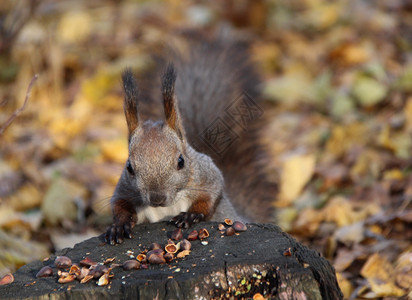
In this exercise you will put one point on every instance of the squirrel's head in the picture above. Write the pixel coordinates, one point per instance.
(158, 165)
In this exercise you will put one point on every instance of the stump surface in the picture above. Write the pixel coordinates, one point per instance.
(242, 265)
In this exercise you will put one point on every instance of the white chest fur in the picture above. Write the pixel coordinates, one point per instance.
(156, 214)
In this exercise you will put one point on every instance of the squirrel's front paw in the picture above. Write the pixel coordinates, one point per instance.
(187, 219)
(116, 233)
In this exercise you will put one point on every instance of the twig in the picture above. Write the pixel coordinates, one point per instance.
(19, 110)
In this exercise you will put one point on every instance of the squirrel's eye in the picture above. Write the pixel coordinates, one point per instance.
(129, 167)
(180, 162)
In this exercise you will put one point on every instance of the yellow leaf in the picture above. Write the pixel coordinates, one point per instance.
(115, 150)
(74, 27)
(345, 285)
(380, 275)
(297, 171)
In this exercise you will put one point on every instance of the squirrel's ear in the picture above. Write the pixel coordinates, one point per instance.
(130, 104)
(169, 100)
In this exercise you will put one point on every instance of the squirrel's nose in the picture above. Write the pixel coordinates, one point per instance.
(156, 199)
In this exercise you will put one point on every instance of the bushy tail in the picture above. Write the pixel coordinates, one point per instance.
(218, 95)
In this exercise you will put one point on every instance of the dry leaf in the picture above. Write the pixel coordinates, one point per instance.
(297, 171)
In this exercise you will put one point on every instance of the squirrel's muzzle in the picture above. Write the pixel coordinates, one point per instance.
(157, 199)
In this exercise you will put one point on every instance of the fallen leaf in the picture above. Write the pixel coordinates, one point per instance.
(297, 171)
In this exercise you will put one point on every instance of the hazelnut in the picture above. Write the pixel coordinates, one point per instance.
(62, 262)
(203, 233)
(193, 235)
(131, 264)
(177, 234)
(239, 226)
(45, 272)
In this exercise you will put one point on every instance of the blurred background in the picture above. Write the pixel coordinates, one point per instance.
(337, 85)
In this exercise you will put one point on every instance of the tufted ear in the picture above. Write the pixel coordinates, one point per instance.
(130, 104)
(172, 114)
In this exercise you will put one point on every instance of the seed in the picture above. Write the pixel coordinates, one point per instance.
(131, 264)
(141, 257)
(203, 233)
(239, 226)
(155, 258)
(109, 260)
(83, 273)
(98, 270)
(66, 279)
(228, 222)
(45, 272)
(86, 279)
(168, 257)
(155, 246)
(177, 234)
(230, 231)
(171, 247)
(62, 262)
(87, 262)
(74, 270)
(6, 279)
(221, 227)
(183, 253)
(185, 245)
(287, 252)
(193, 235)
(103, 280)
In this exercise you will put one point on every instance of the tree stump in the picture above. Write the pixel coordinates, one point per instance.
(262, 260)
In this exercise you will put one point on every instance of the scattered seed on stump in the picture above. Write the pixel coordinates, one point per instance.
(203, 233)
(131, 264)
(177, 234)
(230, 231)
(62, 262)
(185, 245)
(193, 235)
(46, 271)
(6, 279)
(239, 226)
(228, 222)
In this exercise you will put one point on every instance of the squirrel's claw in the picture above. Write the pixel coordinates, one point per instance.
(115, 234)
(187, 219)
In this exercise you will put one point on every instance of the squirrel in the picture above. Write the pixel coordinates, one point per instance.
(203, 159)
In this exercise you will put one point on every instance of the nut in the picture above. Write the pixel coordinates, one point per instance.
(203, 233)
(45, 272)
(183, 253)
(172, 247)
(66, 279)
(98, 270)
(221, 227)
(177, 234)
(6, 279)
(185, 245)
(239, 226)
(103, 280)
(74, 270)
(83, 273)
(193, 235)
(228, 222)
(131, 264)
(62, 262)
(230, 231)
(168, 257)
(87, 262)
(86, 279)
(141, 257)
(155, 257)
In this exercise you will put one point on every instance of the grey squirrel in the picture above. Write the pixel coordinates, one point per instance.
(185, 167)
